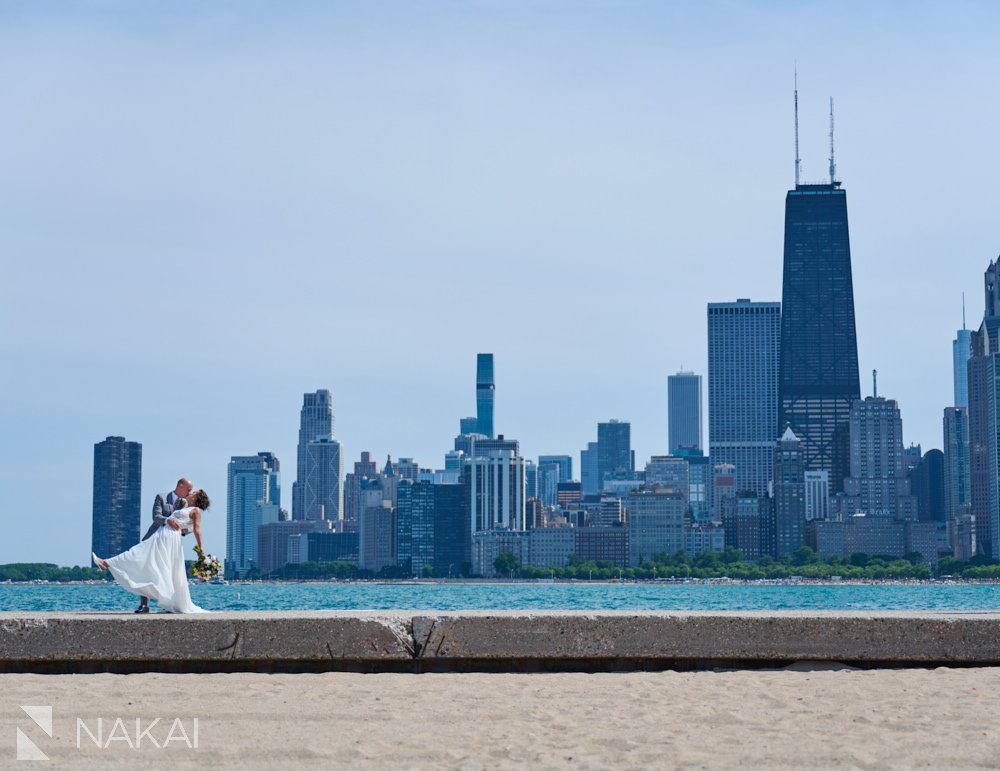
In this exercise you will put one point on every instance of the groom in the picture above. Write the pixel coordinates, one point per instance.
(163, 507)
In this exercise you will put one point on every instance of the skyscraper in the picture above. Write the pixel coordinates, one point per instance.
(819, 352)
(877, 460)
(743, 346)
(485, 393)
(322, 491)
(957, 492)
(614, 449)
(364, 468)
(496, 491)
(565, 463)
(961, 350)
(684, 411)
(252, 482)
(589, 478)
(789, 495)
(117, 497)
(984, 419)
(315, 420)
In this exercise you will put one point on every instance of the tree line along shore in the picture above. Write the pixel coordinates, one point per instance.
(804, 563)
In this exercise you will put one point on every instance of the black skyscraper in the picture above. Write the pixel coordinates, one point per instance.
(117, 496)
(819, 349)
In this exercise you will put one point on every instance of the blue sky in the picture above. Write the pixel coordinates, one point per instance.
(209, 208)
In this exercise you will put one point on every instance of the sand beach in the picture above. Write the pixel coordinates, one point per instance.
(822, 717)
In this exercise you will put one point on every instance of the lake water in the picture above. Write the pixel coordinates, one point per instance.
(523, 596)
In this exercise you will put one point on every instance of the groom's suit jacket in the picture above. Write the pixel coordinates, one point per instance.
(163, 507)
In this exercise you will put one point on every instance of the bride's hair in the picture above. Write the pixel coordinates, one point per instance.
(200, 499)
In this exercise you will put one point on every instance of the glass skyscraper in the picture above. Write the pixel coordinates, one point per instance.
(485, 393)
(819, 350)
(743, 347)
(315, 420)
(961, 350)
(117, 496)
(684, 411)
(252, 482)
(614, 449)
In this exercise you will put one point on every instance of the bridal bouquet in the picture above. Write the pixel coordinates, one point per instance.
(206, 567)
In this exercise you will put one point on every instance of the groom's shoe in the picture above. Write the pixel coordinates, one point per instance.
(143, 607)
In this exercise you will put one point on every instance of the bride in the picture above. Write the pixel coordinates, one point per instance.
(155, 567)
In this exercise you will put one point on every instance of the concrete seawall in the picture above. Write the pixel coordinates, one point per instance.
(421, 641)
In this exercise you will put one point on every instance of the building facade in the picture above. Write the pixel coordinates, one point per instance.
(322, 489)
(789, 495)
(684, 426)
(251, 480)
(743, 364)
(819, 351)
(117, 497)
(315, 420)
(496, 491)
(655, 523)
(485, 394)
(614, 449)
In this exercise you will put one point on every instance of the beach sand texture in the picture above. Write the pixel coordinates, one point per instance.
(823, 718)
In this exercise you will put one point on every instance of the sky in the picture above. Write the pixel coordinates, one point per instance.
(210, 208)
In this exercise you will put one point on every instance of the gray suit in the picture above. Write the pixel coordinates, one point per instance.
(163, 507)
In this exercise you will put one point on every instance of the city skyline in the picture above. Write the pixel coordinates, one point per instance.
(596, 228)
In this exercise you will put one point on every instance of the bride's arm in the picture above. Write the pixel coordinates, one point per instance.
(196, 521)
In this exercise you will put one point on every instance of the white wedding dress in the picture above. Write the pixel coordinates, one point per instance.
(155, 567)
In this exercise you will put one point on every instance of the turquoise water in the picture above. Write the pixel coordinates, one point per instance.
(523, 596)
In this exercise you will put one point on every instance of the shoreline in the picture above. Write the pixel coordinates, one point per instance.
(569, 582)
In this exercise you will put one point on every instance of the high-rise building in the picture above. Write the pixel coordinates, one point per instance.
(322, 490)
(743, 348)
(671, 472)
(742, 517)
(530, 480)
(819, 351)
(877, 460)
(961, 350)
(614, 449)
(452, 539)
(485, 394)
(684, 411)
(565, 463)
(366, 468)
(817, 495)
(723, 486)
(655, 523)
(468, 426)
(927, 485)
(789, 495)
(957, 493)
(414, 526)
(699, 482)
(589, 478)
(549, 476)
(376, 524)
(117, 499)
(496, 491)
(252, 480)
(315, 420)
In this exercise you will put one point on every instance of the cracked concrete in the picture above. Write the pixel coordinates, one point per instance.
(415, 641)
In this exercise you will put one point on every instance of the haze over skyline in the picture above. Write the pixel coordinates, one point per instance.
(211, 208)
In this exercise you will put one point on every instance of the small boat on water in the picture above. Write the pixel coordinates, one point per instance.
(220, 581)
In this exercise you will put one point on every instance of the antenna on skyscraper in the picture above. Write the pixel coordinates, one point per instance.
(798, 161)
(875, 383)
(833, 166)
(963, 310)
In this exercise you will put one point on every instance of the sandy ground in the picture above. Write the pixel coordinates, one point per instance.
(942, 718)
